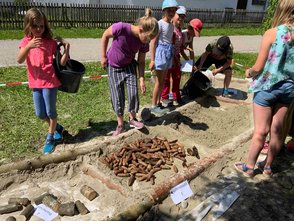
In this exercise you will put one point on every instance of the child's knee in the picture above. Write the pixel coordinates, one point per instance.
(52, 114)
(41, 114)
(228, 72)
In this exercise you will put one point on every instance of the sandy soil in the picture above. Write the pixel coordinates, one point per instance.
(220, 128)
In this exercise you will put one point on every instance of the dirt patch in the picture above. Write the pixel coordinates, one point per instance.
(216, 126)
(259, 198)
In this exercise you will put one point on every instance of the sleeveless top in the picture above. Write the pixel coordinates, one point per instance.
(280, 62)
(178, 40)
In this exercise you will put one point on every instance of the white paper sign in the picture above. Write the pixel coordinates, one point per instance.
(186, 65)
(181, 192)
(45, 213)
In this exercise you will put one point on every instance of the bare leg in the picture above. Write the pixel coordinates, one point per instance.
(132, 115)
(158, 86)
(52, 124)
(228, 77)
(262, 121)
(276, 141)
(120, 120)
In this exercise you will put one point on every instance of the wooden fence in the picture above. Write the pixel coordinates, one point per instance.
(102, 16)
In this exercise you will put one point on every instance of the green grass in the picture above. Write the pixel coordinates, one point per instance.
(85, 114)
(230, 31)
(97, 33)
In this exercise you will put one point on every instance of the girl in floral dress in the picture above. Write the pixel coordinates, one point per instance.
(273, 88)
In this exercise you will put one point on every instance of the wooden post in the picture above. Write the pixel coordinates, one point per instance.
(21, 201)
(39, 199)
(28, 211)
(10, 208)
(52, 202)
(88, 192)
(81, 208)
(11, 218)
(67, 209)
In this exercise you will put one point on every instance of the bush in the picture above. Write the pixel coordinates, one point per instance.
(270, 14)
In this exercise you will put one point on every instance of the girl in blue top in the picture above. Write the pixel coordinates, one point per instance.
(273, 88)
(161, 52)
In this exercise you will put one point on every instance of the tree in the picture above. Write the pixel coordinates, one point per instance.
(267, 22)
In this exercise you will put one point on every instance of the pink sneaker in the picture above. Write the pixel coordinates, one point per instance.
(136, 124)
(119, 129)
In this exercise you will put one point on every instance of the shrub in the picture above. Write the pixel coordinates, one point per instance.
(267, 22)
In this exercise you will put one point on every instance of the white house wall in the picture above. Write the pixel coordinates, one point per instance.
(205, 4)
(202, 4)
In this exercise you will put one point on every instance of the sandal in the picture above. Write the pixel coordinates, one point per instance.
(260, 165)
(243, 169)
(266, 171)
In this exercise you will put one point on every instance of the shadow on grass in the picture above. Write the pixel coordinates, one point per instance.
(93, 130)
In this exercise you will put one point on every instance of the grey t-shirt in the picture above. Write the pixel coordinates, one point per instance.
(166, 31)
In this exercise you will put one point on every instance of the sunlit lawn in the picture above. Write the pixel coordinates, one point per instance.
(85, 114)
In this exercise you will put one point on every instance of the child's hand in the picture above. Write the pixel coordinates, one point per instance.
(103, 62)
(62, 41)
(215, 71)
(189, 49)
(247, 73)
(142, 85)
(35, 43)
(151, 65)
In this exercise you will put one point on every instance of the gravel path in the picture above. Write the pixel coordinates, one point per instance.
(85, 50)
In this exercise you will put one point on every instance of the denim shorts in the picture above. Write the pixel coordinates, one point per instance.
(282, 92)
(164, 56)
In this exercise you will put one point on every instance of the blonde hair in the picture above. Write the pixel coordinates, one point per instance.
(148, 23)
(33, 15)
(284, 13)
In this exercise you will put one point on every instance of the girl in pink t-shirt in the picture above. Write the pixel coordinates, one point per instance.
(38, 48)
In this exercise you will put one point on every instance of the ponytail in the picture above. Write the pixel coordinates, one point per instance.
(148, 23)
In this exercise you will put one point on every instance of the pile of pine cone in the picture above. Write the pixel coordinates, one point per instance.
(141, 159)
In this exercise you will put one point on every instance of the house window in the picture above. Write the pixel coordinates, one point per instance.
(258, 2)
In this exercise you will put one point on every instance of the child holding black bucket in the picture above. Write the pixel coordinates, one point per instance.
(38, 48)
(122, 67)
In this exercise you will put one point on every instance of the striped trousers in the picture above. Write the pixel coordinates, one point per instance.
(117, 79)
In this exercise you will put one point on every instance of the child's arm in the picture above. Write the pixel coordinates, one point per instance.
(184, 54)
(104, 43)
(65, 55)
(190, 48)
(153, 44)
(202, 59)
(23, 52)
(224, 67)
(141, 68)
(267, 40)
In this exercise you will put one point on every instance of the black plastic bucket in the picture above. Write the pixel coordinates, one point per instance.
(197, 85)
(70, 76)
